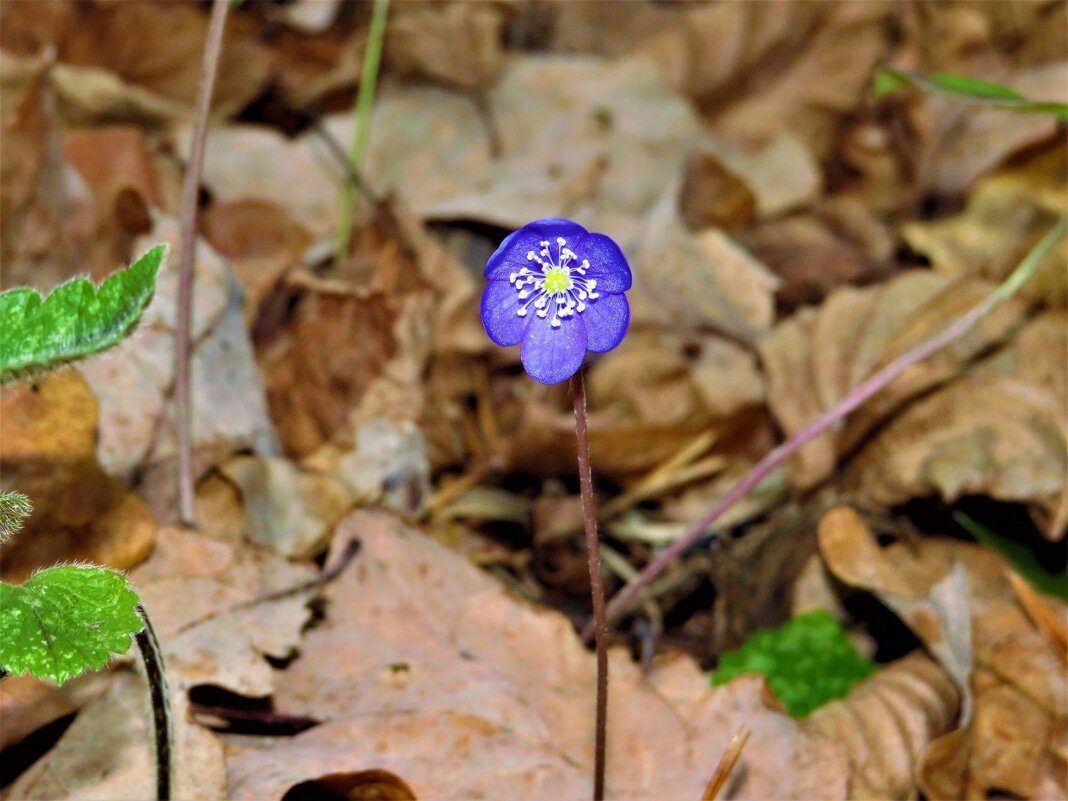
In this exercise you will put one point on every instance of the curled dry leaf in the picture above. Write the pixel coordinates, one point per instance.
(49, 431)
(1016, 681)
(814, 358)
(959, 440)
(887, 721)
(456, 687)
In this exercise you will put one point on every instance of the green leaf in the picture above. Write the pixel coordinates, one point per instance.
(1023, 559)
(75, 320)
(14, 508)
(968, 89)
(66, 620)
(807, 662)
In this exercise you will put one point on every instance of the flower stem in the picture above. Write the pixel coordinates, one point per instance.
(372, 57)
(152, 657)
(858, 395)
(183, 340)
(593, 562)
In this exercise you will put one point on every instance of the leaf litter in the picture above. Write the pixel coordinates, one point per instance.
(775, 268)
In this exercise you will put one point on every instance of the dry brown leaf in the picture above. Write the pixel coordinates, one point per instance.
(1007, 213)
(698, 281)
(649, 398)
(105, 74)
(455, 44)
(887, 721)
(262, 242)
(1018, 720)
(49, 431)
(960, 441)
(462, 688)
(107, 753)
(812, 62)
(287, 510)
(813, 359)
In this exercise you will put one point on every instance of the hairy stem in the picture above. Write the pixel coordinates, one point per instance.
(862, 392)
(372, 57)
(161, 708)
(183, 327)
(593, 562)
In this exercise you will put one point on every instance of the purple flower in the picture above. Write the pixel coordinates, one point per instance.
(558, 289)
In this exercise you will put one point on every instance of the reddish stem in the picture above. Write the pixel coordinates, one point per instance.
(183, 339)
(593, 562)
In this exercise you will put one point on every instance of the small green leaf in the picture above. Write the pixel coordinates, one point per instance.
(968, 89)
(1023, 559)
(75, 320)
(66, 620)
(14, 508)
(807, 662)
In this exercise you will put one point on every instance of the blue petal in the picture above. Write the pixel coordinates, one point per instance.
(607, 263)
(551, 355)
(500, 302)
(511, 256)
(606, 320)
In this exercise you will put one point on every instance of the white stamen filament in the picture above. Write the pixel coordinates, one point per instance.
(568, 286)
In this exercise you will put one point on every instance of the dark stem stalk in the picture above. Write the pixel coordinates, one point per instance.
(183, 327)
(593, 561)
(163, 727)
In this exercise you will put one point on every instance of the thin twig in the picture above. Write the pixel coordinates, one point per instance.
(622, 600)
(593, 561)
(352, 547)
(184, 324)
(372, 57)
(163, 726)
(726, 764)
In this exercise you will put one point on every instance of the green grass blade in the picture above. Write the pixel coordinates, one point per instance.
(75, 320)
(1021, 557)
(971, 90)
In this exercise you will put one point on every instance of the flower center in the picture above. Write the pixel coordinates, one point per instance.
(556, 285)
(557, 279)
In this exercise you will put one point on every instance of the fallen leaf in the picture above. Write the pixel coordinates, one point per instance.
(461, 674)
(1010, 741)
(813, 359)
(104, 74)
(887, 721)
(958, 440)
(457, 45)
(107, 752)
(49, 431)
(1007, 213)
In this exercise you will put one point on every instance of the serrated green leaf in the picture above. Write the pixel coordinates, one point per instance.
(807, 662)
(14, 508)
(968, 89)
(76, 319)
(66, 620)
(1023, 559)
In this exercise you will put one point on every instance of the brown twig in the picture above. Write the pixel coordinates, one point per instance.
(184, 324)
(726, 764)
(862, 392)
(593, 561)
